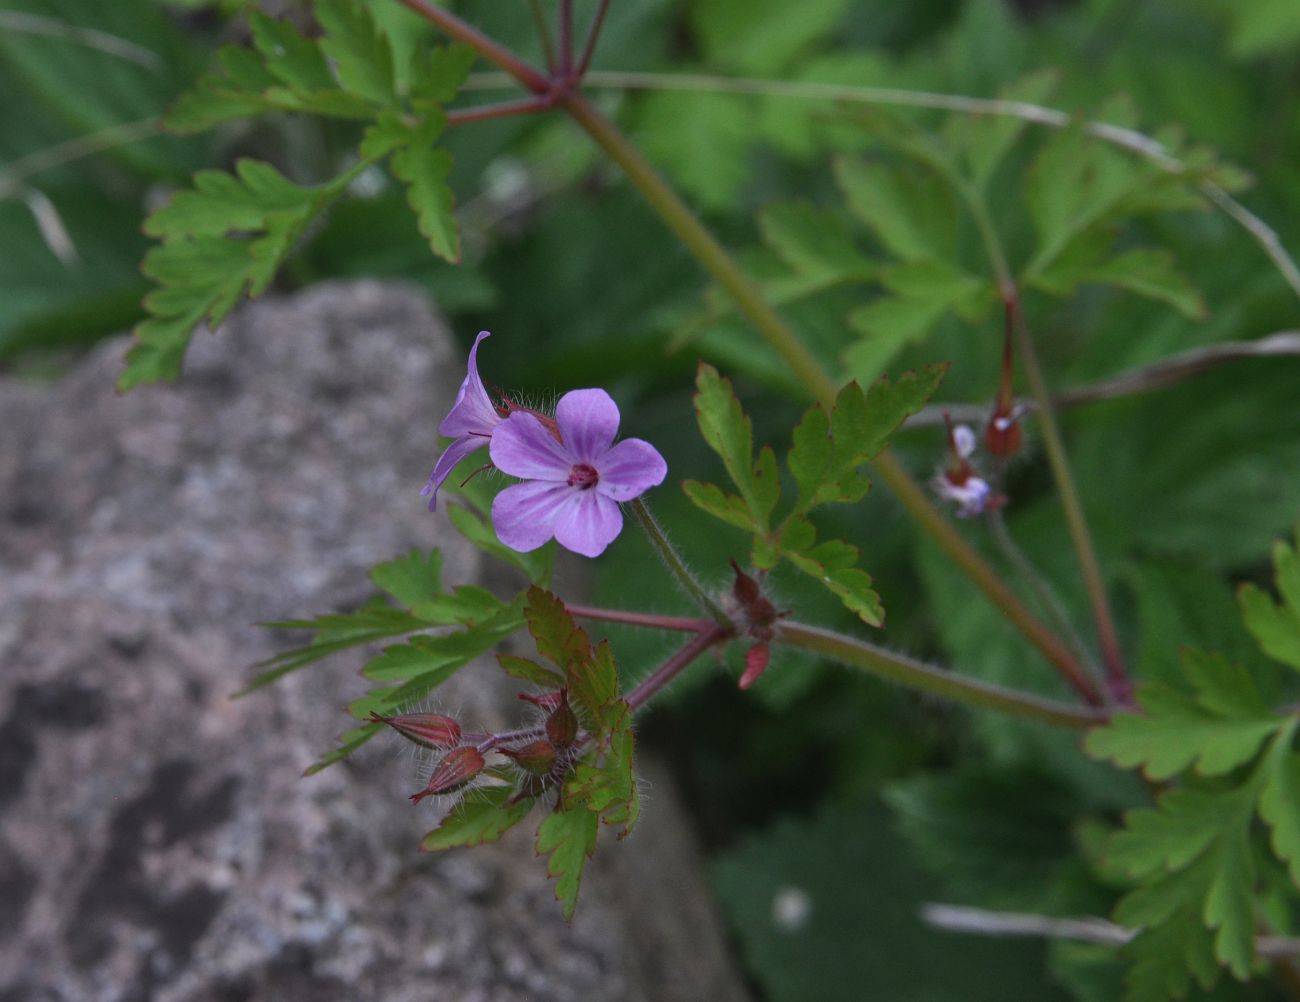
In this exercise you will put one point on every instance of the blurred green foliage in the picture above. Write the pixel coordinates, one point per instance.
(863, 224)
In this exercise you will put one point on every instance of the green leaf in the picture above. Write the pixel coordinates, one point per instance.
(727, 507)
(701, 140)
(609, 788)
(349, 742)
(1218, 729)
(425, 170)
(814, 242)
(1279, 805)
(762, 36)
(1146, 272)
(985, 140)
(909, 211)
(221, 241)
(830, 562)
(467, 604)
(527, 670)
(1276, 626)
(728, 431)
(437, 77)
(1166, 957)
(924, 292)
(435, 658)
(569, 837)
(478, 530)
(411, 579)
(481, 817)
(291, 59)
(334, 633)
(1262, 26)
(557, 636)
(593, 684)
(361, 54)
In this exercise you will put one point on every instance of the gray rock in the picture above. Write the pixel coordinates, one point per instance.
(157, 841)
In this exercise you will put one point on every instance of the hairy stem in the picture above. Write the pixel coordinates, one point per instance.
(666, 672)
(681, 624)
(676, 566)
(922, 677)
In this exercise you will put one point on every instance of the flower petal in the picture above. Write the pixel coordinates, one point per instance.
(629, 469)
(522, 447)
(588, 421)
(472, 413)
(451, 455)
(588, 525)
(524, 515)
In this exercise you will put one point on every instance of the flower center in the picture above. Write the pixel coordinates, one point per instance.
(583, 477)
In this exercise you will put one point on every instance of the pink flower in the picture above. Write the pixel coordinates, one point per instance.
(959, 483)
(471, 421)
(573, 482)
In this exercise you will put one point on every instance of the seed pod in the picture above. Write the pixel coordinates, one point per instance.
(426, 729)
(454, 772)
(537, 757)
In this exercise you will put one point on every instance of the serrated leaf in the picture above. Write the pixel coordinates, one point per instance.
(466, 604)
(480, 818)
(1220, 728)
(609, 788)
(1279, 805)
(410, 579)
(527, 670)
(425, 171)
(558, 638)
(1166, 957)
(728, 431)
(831, 563)
(909, 211)
(814, 242)
(727, 507)
(436, 77)
(1276, 627)
(434, 659)
(291, 59)
(569, 837)
(593, 685)
(361, 53)
(1147, 272)
(334, 633)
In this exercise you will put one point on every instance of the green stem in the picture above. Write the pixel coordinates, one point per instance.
(676, 566)
(1074, 517)
(543, 34)
(922, 677)
(805, 367)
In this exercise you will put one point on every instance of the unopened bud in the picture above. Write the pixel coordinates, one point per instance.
(562, 725)
(456, 769)
(537, 757)
(1002, 435)
(756, 659)
(427, 729)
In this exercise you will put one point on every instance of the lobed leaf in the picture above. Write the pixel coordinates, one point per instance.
(728, 431)
(558, 638)
(410, 579)
(481, 817)
(362, 57)
(727, 507)
(568, 836)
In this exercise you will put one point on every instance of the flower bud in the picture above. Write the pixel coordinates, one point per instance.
(456, 769)
(427, 729)
(1002, 435)
(547, 701)
(537, 757)
(562, 725)
(756, 659)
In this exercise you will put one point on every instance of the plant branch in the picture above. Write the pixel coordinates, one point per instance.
(505, 109)
(676, 565)
(14, 173)
(682, 624)
(589, 48)
(1054, 446)
(543, 34)
(1128, 139)
(714, 634)
(926, 678)
(491, 50)
(1156, 376)
(804, 365)
(566, 39)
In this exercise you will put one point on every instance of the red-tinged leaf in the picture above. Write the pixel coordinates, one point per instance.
(558, 638)
(480, 818)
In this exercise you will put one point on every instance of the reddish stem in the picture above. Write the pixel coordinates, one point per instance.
(715, 633)
(590, 47)
(682, 624)
(491, 50)
(566, 39)
(505, 109)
